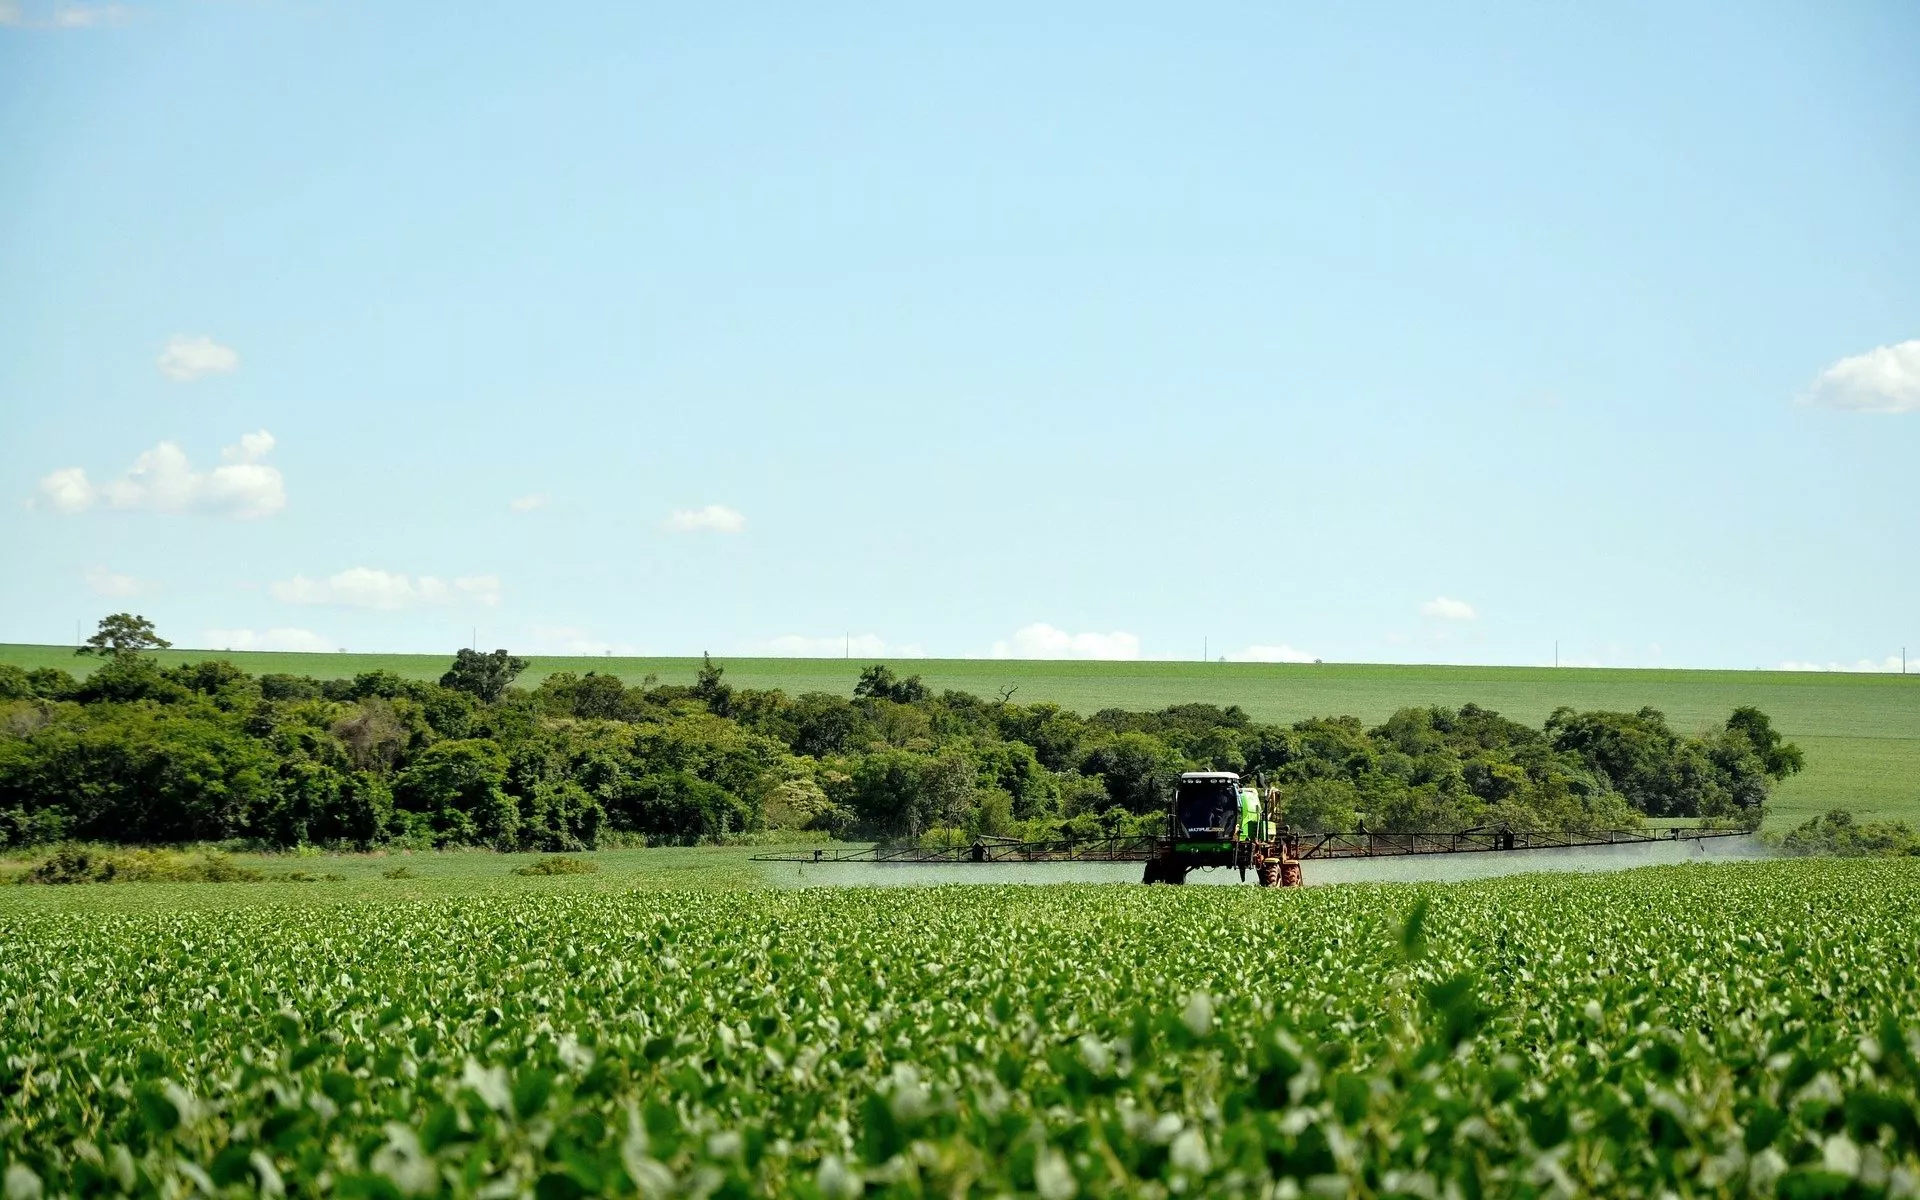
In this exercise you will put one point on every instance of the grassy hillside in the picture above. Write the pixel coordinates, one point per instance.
(1861, 732)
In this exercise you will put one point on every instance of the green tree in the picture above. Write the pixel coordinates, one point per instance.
(125, 678)
(14, 684)
(1321, 806)
(141, 773)
(820, 723)
(459, 787)
(124, 633)
(1635, 752)
(599, 697)
(1139, 770)
(51, 683)
(678, 807)
(1779, 757)
(889, 796)
(878, 682)
(483, 675)
(709, 689)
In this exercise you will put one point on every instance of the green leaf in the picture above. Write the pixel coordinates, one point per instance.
(1413, 935)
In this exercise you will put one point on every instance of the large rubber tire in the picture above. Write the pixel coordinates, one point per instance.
(1270, 873)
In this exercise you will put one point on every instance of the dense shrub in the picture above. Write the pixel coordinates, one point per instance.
(1835, 832)
(558, 864)
(88, 864)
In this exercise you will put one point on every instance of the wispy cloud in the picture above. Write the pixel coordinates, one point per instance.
(1885, 379)
(1448, 609)
(302, 640)
(1890, 664)
(528, 502)
(189, 358)
(68, 15)
(714, 518)
(567, 640)
(387, 591)
(163, 480)
(1041, 640)
(1273, 654)
(103, 582)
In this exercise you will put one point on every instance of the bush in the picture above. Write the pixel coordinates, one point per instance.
(1835, 832)
(400, 872)
(558, 864)
(14, 684)
(87, 864)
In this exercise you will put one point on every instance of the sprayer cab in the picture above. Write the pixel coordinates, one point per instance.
(1207, 806)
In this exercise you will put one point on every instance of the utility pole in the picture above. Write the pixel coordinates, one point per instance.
(848, 651)
(1556, 652)
(1204, 650)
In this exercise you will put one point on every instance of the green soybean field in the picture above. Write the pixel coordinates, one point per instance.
(1745, 1029)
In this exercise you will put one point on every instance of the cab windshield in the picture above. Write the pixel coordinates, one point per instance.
(1206, 806)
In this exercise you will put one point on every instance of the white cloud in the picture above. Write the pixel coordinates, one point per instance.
(302, 640)
(88, 16)
(388, 591)
(1885, 379)
(567, 640)
(714, 518)
(1041, 640)
(107, 583)
(70, 15)
(528, 502)
(66, 490)
(1273, 654)
(1452, 610)
(251, 448)
(163, 480)
(860, 645)
(189, 358)
(481, 589)
(1890, 664)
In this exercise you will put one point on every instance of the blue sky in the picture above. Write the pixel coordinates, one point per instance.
(1352, 332)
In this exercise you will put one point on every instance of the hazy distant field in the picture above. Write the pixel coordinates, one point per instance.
(1861, 732)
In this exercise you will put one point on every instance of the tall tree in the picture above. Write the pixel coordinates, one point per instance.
(878, 682)
(709, 688)
(1780, 757)
(124, 633)
(483, 675)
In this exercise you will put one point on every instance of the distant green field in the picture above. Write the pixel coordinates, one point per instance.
(1861, 732)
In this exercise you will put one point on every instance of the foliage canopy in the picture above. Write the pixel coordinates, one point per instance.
(143, 753)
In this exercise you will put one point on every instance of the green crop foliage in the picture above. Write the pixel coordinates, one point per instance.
(1693, 1030)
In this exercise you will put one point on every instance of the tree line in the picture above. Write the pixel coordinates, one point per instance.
(141, 753)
